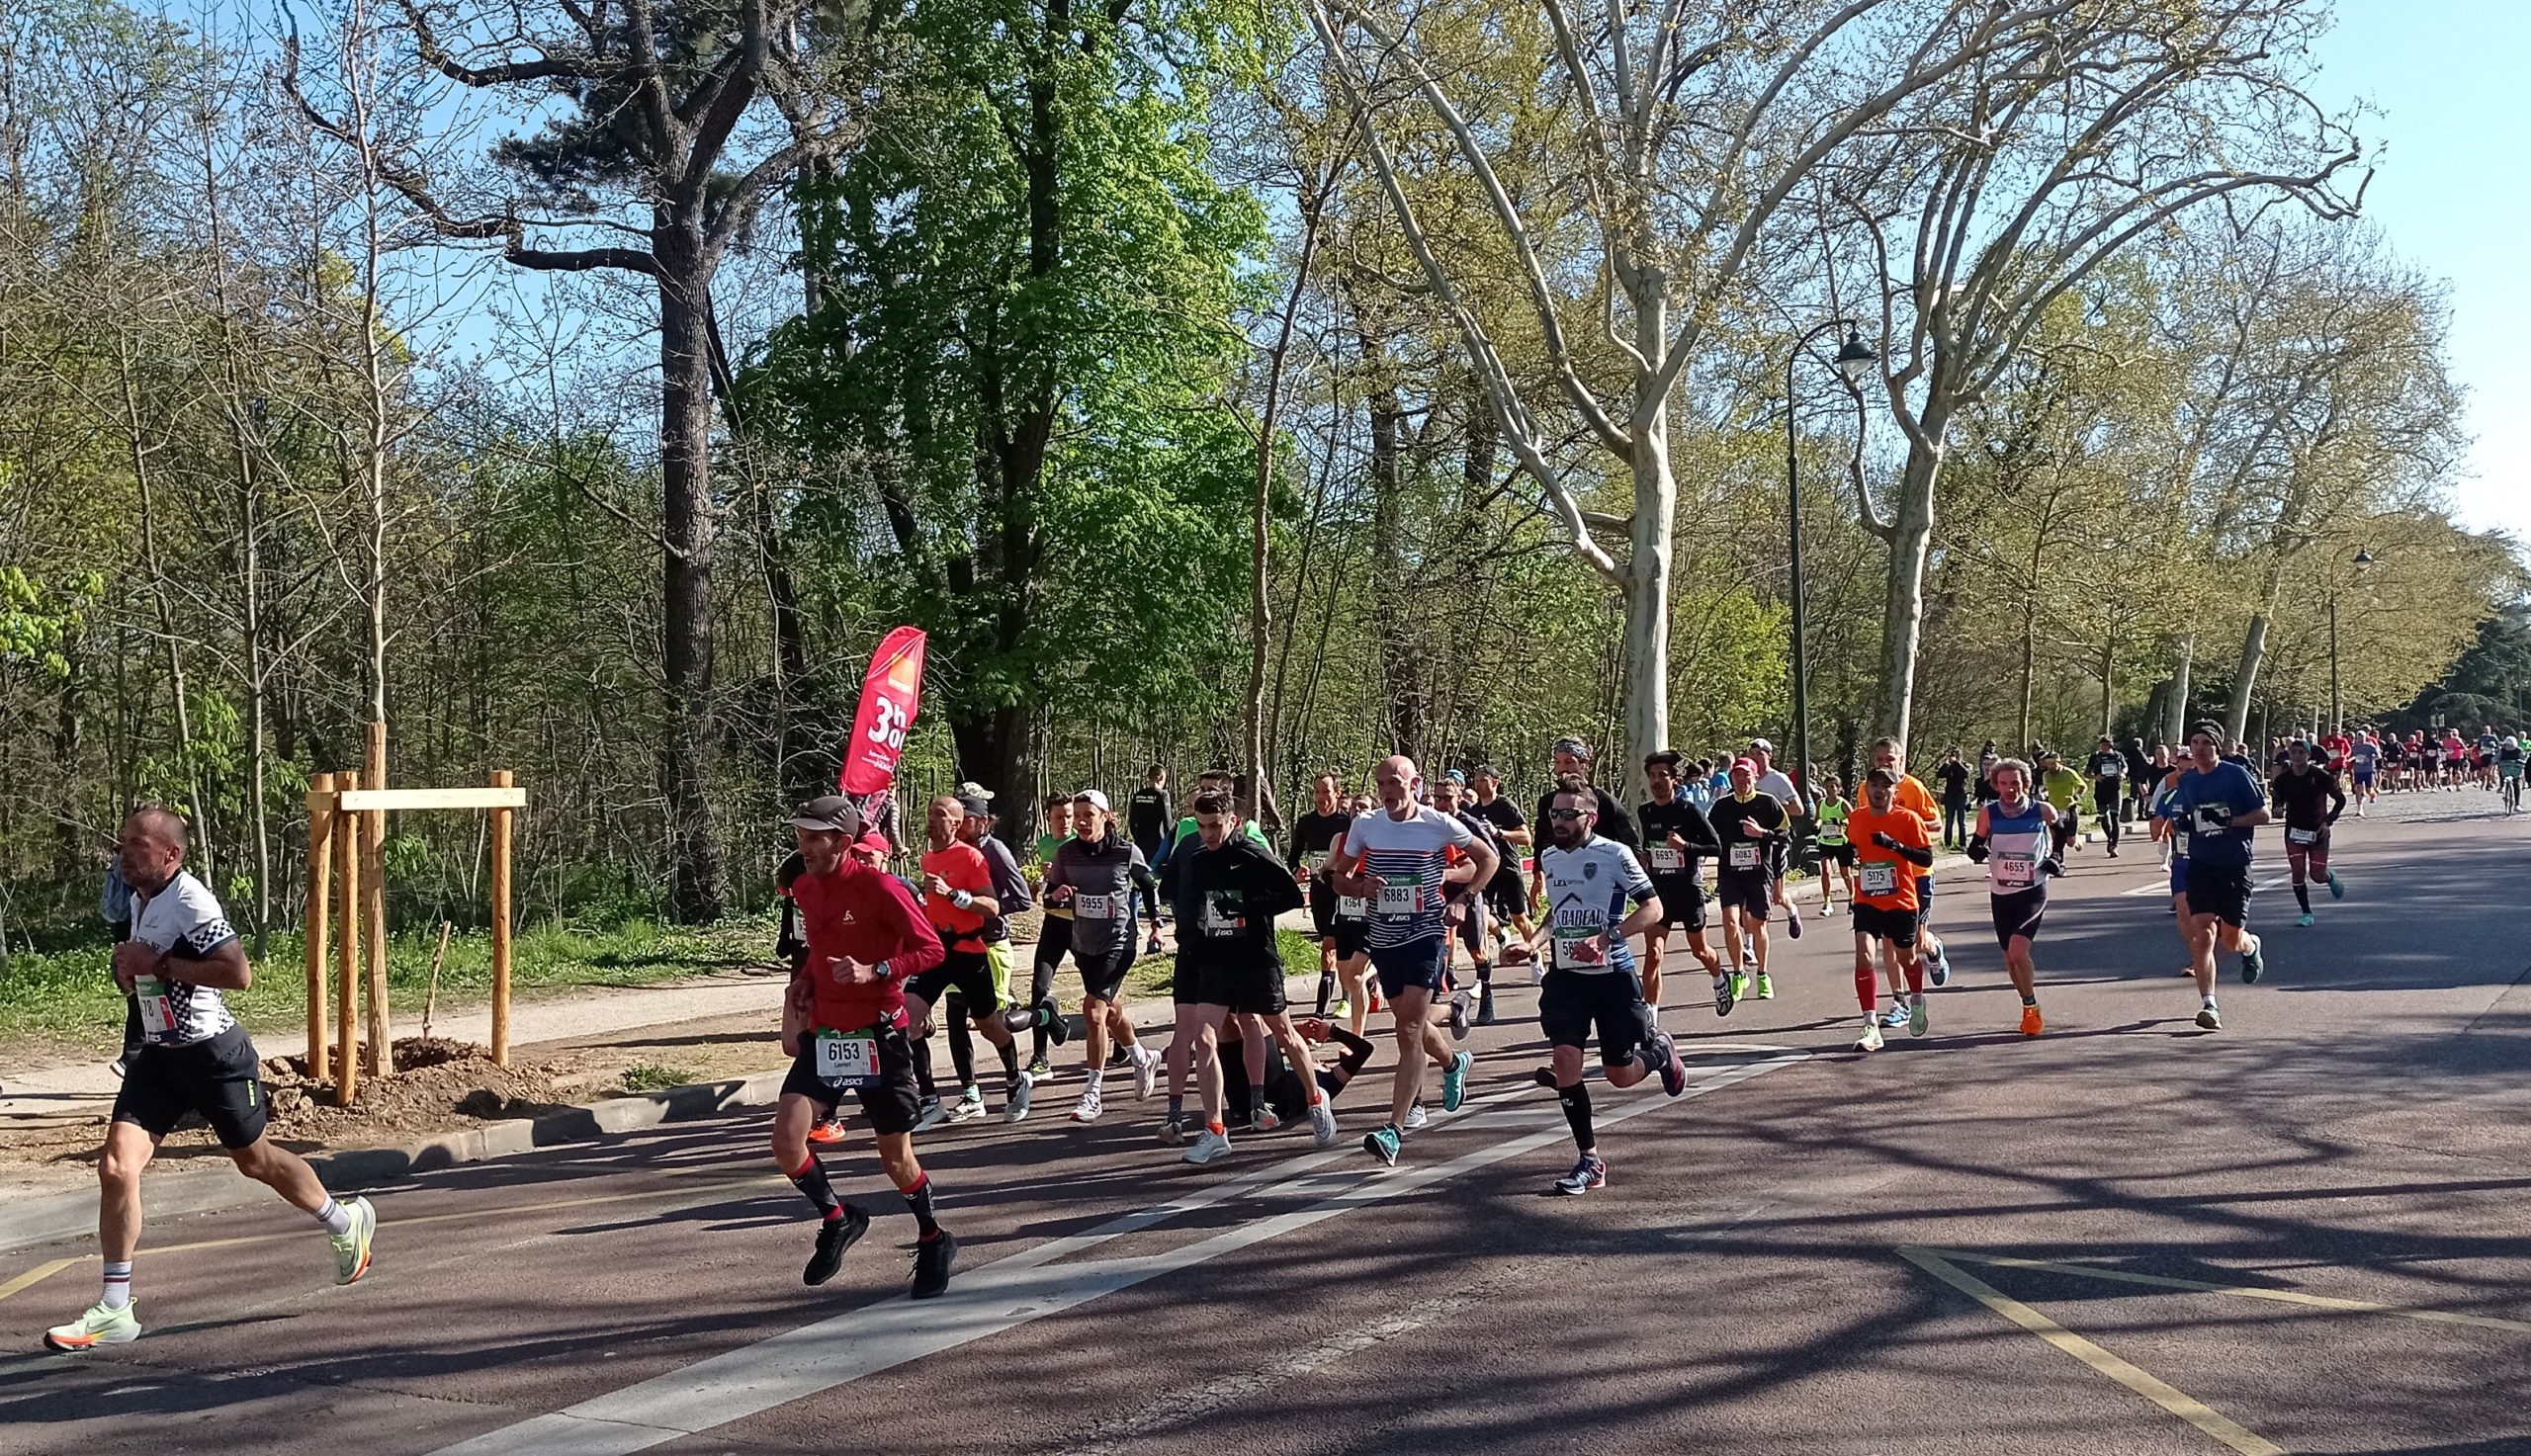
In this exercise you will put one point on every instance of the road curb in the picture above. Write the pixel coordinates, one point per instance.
(56, 1216)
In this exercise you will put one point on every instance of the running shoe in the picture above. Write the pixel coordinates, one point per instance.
(1724, 996)
(1942, 963)
(1455, 1080)
(1322, 1123)
(1793, 919)
(2031, 1025)
(351, 1246)
(2254, 961)
(969, 1106)
(2337, 887)
(1766, 987)
(1119, 1057)
(1665, 1061)
(835, 1236)
(1050, 1012)
(1869, 1041)
(1014, 1108)
(2208, 1018)
(1416, 1117)
(1918, 1023)
(1210, 1146)
(1381, 1143)
(1377, 1005)
(1264, 1119)
(1895, 1016)
(1340, 1009)
(1089, 1107)
(1739, 986)
(1460, 1000)
(929, 1114)
(2303, 920)
(1146, 1069)
(828, 1131)
(1039, 1070)
(931, 1260)
(1589, 1173)
(99, 1326)
(1173, 1131)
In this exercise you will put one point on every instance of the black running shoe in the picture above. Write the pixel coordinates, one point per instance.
(931, 1260)
(833, 1238)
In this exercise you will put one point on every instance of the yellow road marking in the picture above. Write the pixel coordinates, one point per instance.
(2281, 1296)
(45, 1271)
(2186, 1407)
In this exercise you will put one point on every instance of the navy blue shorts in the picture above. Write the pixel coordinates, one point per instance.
(1418, 963)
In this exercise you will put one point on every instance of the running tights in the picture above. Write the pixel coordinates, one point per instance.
(1577, 1114)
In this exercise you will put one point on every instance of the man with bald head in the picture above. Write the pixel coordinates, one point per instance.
(194, 1058)
(1400, 859)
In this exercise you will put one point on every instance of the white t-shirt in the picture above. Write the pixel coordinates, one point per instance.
(1589, 889)
(1774, 782)
(183, 920)
(1409, 855)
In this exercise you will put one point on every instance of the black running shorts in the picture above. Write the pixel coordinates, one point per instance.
(1751, 895)
(891, 1103)
(218, 1077)
(2224, 892)
(1899, 927)
(1574, 1003)
(2019, 914)
(965, 972)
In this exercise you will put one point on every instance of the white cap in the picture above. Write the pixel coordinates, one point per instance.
(1094, 799)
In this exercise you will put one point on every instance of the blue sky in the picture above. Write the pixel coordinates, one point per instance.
(2454, 197)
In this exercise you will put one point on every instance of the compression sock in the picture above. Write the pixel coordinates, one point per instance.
(1867, 988)
(2303, 896)
(336, 1217)
(919, 1198)
(1577, 1115)
(811, 1179)
(1326, 987)
(1916, 977)
(923, 1082)
(1256, 1107)
(962, 1049)
(1009, 1062)
(117, 1291)
(1176, 1107)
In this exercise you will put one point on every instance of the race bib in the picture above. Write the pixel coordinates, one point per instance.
(1316, 861)
(1880, 877)
(1744, 856)
(1582, 944)
(2302, 836)
(1094, 907)
(2013, 871)
(1402, 894)
(1223, 914)
(157, 1016)
(1663, 858)
(848, 1059)
(1352, 907)
(2213, 819)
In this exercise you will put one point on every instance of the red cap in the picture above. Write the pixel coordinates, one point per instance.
(1750, 764)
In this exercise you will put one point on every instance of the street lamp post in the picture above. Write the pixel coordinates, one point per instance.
(1851, 360)
(2337, 705)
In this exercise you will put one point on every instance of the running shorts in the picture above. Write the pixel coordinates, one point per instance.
(2317, 849)
(1899, 927)
(220, 1078)
(2364, 778)
(1418, 963)
(2224, 892)
(1838, 854)
(998, 961)
(966, 972)
(889, 1103)
(1103, 977)
(1574, 1003)
(1250, 988)
(1751, 895)
(1505, 897)
(2105, 797)
(2019, 914)
(1682, 901)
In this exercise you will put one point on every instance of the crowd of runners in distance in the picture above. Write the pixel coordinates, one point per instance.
(1417, 891)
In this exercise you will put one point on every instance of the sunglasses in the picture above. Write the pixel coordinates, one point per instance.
(1567, 815)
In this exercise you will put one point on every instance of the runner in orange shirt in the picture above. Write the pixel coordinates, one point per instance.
(1893, 845)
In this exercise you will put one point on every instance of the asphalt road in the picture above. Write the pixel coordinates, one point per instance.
(2306, 1233)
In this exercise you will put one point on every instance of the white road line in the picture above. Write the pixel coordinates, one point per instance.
(1001, 1296)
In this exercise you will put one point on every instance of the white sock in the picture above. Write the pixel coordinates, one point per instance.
(118, 1288)
(1097, 1078)
(336, 1217)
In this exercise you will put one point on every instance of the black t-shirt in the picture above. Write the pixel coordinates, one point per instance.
(1227, 900)
(1313, 832)
(1613, 824)
(1729, 814)
(1685, 820)
(2308, 800)
(2107, 763)
(1147, 815)
(1954, 781)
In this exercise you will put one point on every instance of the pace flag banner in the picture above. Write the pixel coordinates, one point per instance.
(891, 694)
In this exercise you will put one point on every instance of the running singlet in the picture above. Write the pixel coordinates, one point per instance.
(1882, 880)
(960, 867)
(1587, 889)
(2015, 844)
(1832, 821)
(184, 919)
(1674, 868)
(2201, 801)
(1409, 855)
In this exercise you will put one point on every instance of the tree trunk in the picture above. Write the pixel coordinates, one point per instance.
(1260, 609)
(1400, 671)
(2029, 676)
(2236, 713)
(1647, 658)
(685, 434)
(2109, 685)
(2175, 721)
(1903, 602)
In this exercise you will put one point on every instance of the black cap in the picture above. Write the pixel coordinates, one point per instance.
(831, 813)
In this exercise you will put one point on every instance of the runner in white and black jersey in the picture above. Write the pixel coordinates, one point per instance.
(1676, 836)
(1590, 984)
(2013, 840)
(1398, 860)
(194, 1058)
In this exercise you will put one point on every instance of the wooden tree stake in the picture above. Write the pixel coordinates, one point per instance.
(373, 845)
(346, 836)
(320, 877)
(500, 836)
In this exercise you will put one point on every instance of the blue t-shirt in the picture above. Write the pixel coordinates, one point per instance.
(2201, 801)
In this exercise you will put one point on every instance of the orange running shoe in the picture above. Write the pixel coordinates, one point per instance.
(2031, 1025)
(831, 1131)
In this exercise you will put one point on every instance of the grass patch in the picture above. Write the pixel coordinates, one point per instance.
(71, 995)
(1151, 976)
(651, 1076)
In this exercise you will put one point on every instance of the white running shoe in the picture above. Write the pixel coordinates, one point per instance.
(1089, 1107)
(1016, 1107)
(1869, 1041)
(1210, 1146)
(1415, 1118)
(1146, 1069)
(1322, 1123)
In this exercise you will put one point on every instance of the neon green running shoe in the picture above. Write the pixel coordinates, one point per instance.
(1766, 987)
(1739, 986)
(99, 1326)
(351, 1250)
(1918, 1023)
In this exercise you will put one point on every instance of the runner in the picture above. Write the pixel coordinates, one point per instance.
(1836, 847)
(960, 900)
(1507, 905)
(1467, 915)
(1677, 838)
(2140, 785)
(844, 1027)
(1228, 892)
(2108, 770)
(1009, 887)
(2508, 768)
(2013, 843)
(2307, 795)
(1286, 1093)
(1911, 795)
(1893, 846)
(1773, 782)
(1314, 837)
(1748, 824)
(1397, 861)
(194, 1058)
(2063, 788)
(1590, 983)
(2364, 765)
(1147, 820)
(1093, 875)
(2487, 745)
(2216, 804)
